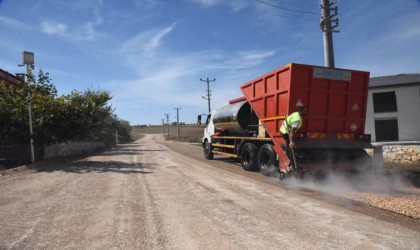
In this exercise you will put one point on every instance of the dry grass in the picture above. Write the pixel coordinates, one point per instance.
(188, 133)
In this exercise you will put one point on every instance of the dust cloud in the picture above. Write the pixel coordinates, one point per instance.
(343, 178)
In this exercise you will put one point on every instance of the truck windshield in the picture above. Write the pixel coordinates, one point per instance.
(208, 119)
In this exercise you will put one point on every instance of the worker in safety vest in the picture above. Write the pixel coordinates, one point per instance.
(290, 125)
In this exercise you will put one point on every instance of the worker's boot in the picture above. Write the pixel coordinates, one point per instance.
(291, 166)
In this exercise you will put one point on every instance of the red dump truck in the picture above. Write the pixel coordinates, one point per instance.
(248, 127)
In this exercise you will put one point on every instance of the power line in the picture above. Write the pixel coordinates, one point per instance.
(287, 9)
(298, 4)
(249, 10)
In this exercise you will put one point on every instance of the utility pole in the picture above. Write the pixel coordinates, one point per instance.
(167, 124)
(163, 126)
(28, 60)
(177, 122)
(328, 29)
(208, 91)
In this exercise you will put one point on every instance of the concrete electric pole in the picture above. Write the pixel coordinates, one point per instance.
(167, 124)
(208, 91)
(177, 123)
(328, 29)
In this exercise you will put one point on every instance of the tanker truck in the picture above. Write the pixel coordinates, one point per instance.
(248, 127)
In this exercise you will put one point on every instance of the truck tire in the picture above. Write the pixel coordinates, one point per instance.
(207, 151)
(267, 160)
(249, 154)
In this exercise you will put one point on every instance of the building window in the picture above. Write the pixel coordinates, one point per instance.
(386, 130)
(384, 102)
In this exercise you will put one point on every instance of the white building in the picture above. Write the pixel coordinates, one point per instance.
(393, 109)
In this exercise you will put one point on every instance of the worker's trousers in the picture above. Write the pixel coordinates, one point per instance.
(288, 150)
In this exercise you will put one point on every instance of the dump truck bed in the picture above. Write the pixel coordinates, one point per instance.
(336, 100)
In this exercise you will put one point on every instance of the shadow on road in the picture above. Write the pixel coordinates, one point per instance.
(82, 164)
(85, 166)
(129, 149)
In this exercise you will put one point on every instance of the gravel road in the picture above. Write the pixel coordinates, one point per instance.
(163, 195)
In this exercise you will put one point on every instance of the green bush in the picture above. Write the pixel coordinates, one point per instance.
(78, 116)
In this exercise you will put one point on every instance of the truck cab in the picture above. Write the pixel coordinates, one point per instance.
(208, 132)
(210, 129)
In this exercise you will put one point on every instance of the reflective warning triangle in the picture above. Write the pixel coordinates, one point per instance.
(355, 107)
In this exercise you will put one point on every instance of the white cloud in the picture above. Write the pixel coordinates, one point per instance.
(247, 59)
(11, 22)
(146, 41)
(209, 2)
(82, 32)
(86, 32)
(89, 27)
(153, 42)
(239, 5)
(52, 28)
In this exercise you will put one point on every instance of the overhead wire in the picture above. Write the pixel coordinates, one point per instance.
(295, 14)
(287, 9)
(298, 4)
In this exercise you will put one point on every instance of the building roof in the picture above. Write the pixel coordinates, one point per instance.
(401, 79)
(10, 79)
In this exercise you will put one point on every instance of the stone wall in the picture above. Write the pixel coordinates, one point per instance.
(71, 148)
(403, 154)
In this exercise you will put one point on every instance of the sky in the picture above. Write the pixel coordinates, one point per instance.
(151, 54)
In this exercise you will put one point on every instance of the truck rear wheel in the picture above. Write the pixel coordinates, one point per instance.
(249, 154)
(207, 151)
(267, 160)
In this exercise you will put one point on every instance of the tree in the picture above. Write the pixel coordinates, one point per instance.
(124, 131)
(77, 116)
(13, 116)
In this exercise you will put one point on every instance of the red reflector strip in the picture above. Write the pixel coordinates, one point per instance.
(315, 135)
(346, 136)
(363, 137)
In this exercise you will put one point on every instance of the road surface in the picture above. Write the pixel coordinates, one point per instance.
(154, 195)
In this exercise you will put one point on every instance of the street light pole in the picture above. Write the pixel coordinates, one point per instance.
(31, 132)
(28, 60)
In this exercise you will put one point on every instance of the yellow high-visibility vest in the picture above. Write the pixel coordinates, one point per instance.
(293, 120)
